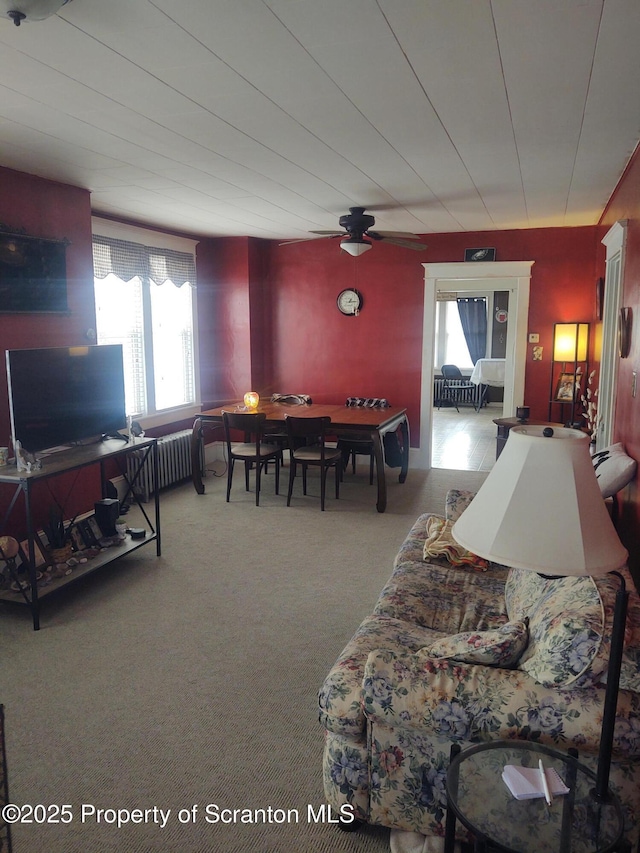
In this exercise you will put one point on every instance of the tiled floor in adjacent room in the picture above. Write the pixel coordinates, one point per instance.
(465, 440)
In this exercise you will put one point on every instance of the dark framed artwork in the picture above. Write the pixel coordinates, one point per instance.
(479, 254)
(33, 274)
(599, 298)
(568, 388)
(624, 332)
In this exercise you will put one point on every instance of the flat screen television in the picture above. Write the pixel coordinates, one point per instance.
(65, 395)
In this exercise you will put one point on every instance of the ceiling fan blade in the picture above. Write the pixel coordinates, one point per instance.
(406, 234)
(301, 240)
(329, 234)
(407, 244)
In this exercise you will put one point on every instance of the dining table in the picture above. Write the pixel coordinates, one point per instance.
(346, 421)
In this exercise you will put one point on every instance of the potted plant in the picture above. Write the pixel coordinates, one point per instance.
(59, 536)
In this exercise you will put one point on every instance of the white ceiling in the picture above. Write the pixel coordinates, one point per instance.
(271, 118)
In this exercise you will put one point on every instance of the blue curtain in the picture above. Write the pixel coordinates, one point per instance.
(473, 316)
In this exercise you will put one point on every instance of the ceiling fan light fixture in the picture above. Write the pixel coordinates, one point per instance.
(31, 10)
(354, 246)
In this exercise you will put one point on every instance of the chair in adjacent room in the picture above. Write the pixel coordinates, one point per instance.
(313, 452)
(360, 445)
(455, 386)
(251, 451)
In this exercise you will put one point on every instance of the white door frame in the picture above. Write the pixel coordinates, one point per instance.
(614, 240)
(480, 276)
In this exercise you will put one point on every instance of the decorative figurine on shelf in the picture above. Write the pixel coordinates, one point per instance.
(26, 461)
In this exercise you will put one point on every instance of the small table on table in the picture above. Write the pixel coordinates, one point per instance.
(574, 823)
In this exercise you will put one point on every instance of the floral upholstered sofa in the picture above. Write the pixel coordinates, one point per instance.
(470, 653)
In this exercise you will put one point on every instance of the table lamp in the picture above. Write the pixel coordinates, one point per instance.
(540, 508)
(251, 400)
(570, 341)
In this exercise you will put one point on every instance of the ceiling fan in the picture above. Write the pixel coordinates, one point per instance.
(357, 237)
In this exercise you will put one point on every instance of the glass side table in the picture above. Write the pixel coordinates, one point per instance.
(574, 823)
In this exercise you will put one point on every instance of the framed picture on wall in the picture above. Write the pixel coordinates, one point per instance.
(33, 274)
(479, 254)
(599, 298)
(568, 388)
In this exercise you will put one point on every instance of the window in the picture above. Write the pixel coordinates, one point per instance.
(145, 300)
(450, 344)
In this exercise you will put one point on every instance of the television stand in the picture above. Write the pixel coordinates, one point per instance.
(59, 463)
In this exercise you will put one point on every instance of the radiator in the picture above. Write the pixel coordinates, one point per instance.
(174, 464)
(472, 397)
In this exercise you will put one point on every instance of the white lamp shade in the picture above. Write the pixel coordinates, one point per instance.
(33, 10)
(355, 247)
(540, 508)
(570, 341)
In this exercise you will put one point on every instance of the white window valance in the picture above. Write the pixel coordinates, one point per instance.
(127, 260)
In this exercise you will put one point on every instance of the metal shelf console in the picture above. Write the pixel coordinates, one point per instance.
(69, 460)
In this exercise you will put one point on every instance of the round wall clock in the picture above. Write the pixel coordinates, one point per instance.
(349, 302)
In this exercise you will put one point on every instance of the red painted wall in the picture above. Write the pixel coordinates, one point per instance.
(224, 319)
(566, 266)
(625, 204)
(268, 316)
(319, 352)
(235, 311)
(48, 209)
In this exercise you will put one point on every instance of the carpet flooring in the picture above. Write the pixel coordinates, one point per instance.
(161, 691)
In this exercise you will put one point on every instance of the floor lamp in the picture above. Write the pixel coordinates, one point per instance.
(540, 508)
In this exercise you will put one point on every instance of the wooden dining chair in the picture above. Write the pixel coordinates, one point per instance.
(273, 435)
(252, 451)
(360, 445)
(313, 452)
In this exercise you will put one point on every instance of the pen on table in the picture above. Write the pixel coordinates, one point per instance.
(545, 784)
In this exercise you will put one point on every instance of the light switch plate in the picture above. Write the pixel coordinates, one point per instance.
(534, 338)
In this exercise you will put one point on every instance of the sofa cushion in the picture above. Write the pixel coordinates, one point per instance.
(440, 543)
(608, 586)
(614, 469)
(448, 599)
(566, 627)
(340, 697)
(456, 502)
(501, 646)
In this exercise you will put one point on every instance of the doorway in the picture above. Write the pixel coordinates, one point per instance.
(614, 240)
(512, 276)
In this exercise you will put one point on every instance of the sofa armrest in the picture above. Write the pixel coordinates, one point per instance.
(469, 702)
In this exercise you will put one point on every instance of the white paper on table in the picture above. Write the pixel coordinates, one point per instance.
(525, 782)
